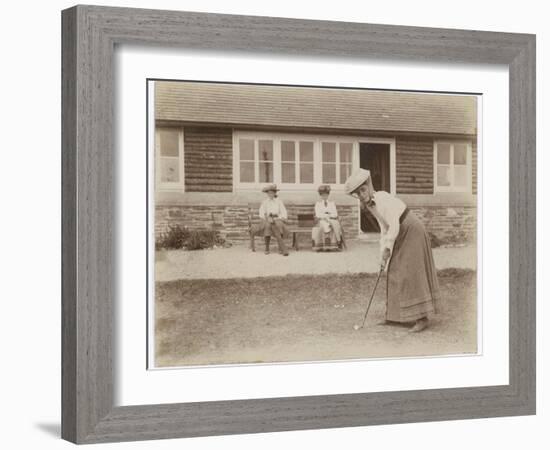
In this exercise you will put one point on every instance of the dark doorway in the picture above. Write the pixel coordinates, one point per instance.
(376, 158)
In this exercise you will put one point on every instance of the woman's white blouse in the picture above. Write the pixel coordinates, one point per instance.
(273, 206)
(387, 211)
(324, 212)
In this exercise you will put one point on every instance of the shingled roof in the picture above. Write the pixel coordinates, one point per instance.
(315, 108)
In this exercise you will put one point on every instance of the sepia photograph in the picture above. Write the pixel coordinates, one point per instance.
(292, 224)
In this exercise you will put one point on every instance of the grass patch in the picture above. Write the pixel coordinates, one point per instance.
(300, 318)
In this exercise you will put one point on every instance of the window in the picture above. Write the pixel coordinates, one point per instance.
(336, 162)
(256, 160)
(453, 167)
(247, 160)
(346, 161)
(306, 173)
(288, 162)
(169, 158)
(329, 162)
(291, 161)
(297, 165)
(265, 150)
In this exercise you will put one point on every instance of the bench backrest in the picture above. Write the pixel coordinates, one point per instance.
(306, 220)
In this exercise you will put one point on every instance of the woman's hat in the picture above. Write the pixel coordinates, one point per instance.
(324, 189)
(270, 187)
(356, 179)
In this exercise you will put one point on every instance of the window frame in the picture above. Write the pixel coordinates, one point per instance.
(453, 188)
(277, 138)
(170, 186)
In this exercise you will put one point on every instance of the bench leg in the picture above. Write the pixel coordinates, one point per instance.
(252, 241)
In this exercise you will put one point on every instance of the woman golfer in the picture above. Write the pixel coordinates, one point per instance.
(405, 250)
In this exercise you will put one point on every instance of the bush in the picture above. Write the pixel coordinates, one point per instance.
(179, 237)
(201, 239)
(435, 241)
(174, 238)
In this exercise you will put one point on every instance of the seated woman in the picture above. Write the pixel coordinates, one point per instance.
(272, 216)
(327, 235)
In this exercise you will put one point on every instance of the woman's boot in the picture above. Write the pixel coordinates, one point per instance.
(420, 325)
(267, 239)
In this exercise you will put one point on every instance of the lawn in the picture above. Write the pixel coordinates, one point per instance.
(301, 318)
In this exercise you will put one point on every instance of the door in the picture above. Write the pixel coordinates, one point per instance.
(375, 157)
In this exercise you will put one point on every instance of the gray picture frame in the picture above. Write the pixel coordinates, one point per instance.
(90, 34)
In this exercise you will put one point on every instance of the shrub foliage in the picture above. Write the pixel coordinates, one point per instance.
(180, 237)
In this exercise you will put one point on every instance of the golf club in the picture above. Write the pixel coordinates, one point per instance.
(357, 327)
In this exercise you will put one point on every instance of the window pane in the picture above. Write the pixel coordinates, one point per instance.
(345, 172)
(306, 151)
(329, 151)
(287, 151)
(266, 150)
(460, 153)
(288, 172)
(443, 175)
(169, 170)
(246, 147)
(306, 173)
(169, 142)
(443, 153)
(266, 172)
(247, 172)
(345, 153)
(329, 173)
(461, 176)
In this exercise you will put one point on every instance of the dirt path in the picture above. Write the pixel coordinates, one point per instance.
(240, 262)
(305, 318)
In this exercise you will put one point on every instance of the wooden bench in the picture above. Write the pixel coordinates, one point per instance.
(305, 223)
(252, 235)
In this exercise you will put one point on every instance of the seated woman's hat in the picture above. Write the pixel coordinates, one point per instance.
(356, 179)
(324, 189)
(270, 187)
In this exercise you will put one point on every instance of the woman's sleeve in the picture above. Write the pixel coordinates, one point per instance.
(388, 239)
(262, 211)
(392, 213)
(282, 211)
(383, 231)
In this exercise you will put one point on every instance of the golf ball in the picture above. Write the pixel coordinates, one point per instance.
(356, 327)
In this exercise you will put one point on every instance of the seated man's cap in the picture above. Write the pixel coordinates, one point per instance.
(270, 187)
(324, 189)
(356, 179)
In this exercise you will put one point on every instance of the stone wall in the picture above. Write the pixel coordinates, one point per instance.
(449, 224)
(457, 224)
(232, 220)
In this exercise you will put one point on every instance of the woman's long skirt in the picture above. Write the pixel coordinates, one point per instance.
(319, 234)
(413, 288)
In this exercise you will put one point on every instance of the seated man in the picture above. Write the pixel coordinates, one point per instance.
(327, 235)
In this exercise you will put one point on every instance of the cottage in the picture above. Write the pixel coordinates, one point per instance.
(217, 144)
